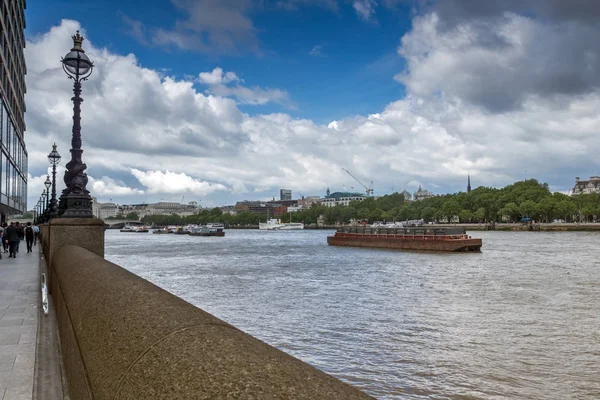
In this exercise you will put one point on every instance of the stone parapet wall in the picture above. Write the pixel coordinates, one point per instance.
(125, 338)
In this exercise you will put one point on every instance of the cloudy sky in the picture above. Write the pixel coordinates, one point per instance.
(223, 100)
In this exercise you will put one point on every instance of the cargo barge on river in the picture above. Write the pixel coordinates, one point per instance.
(415, 238)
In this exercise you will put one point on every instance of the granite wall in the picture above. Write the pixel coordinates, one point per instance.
(124, 338)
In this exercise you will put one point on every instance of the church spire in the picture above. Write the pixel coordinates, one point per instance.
(468, 182)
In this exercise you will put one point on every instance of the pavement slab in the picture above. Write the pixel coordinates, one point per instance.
(19, 311)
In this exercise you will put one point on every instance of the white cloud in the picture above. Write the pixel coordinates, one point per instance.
(316, 50)
(365, 9)
(171, 182)
(217, 81)
(216, 77)
(106, 186)
(175, 139)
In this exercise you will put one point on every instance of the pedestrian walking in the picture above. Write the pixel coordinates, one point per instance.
(5, 244)
(36, 233)
(29, 237)
(21, 233)
(11, 237)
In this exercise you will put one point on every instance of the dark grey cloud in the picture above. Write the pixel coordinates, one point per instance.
(454, 11)
(209, 26)
(503, 52)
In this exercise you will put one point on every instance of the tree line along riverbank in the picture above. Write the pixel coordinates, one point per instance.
(510, 204)
(509, 227)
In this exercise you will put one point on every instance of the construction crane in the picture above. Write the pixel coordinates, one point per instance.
(368, 189)
(401, 187)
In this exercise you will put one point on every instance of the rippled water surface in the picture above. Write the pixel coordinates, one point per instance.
(519, 320)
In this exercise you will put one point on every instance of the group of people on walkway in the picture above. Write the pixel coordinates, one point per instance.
(12, 234)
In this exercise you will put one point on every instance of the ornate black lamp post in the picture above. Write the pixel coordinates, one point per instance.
(43, 206)
(54, 159)
(75, 200)
(39, 210)
(48, 183)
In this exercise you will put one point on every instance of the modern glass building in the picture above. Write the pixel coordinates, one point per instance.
(13, 157)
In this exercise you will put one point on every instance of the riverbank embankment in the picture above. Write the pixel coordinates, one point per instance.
(546, 227)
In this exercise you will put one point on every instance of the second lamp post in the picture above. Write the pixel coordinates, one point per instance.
(48, 183)
(54, 159)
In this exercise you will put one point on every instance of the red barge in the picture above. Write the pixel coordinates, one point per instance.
(417, 238)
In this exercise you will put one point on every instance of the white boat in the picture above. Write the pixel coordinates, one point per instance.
(215, 225)
(275, 224)
(129, 228)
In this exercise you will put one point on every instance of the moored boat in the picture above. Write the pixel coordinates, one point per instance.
(128, 228)
(182, 230)
(162, 231)
(422, 238)
(206, 231)
(275, 224)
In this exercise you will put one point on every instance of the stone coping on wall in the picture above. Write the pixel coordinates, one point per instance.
(124, 337)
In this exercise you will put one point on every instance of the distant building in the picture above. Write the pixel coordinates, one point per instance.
(292, 209)
(341, 198)
(287, 203)
(421, 194)
(591, 186)
(229, 210)
(13, 153)
(407, 196)
(308, 201)
(285, 194)
(270, 209)
(468, 183)
(104, 210)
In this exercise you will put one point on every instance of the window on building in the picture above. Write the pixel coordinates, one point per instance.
(8, 135)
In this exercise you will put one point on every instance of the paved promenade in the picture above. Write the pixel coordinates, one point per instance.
(19, 307)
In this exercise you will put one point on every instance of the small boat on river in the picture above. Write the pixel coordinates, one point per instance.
(162, 231)
(206, 231)
(275, 224)
(134, 229)
(417, 238)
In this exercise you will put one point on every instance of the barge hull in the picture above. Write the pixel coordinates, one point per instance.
(407, 243)
(208, 234)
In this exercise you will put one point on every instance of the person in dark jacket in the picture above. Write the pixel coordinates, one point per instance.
(21, 233)
(11, 236)
(29, 237)
(4, 243)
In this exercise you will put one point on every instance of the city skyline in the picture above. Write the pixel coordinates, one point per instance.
(225, 101)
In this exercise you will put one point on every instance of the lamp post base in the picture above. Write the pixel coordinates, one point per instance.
(75, 206)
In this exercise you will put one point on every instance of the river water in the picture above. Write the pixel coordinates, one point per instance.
(521, 319)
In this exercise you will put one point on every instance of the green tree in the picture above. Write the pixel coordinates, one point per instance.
(566, 210)
(133, 216)
(546, 208)
(450, 209)
(528, 209)
(479, 214)
(588, 212)
(465, 216)
(510, 211)
(428, 214)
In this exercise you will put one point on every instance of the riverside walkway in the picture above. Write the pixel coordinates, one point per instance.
(123, 337)
(19, 307)
(20, 325)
